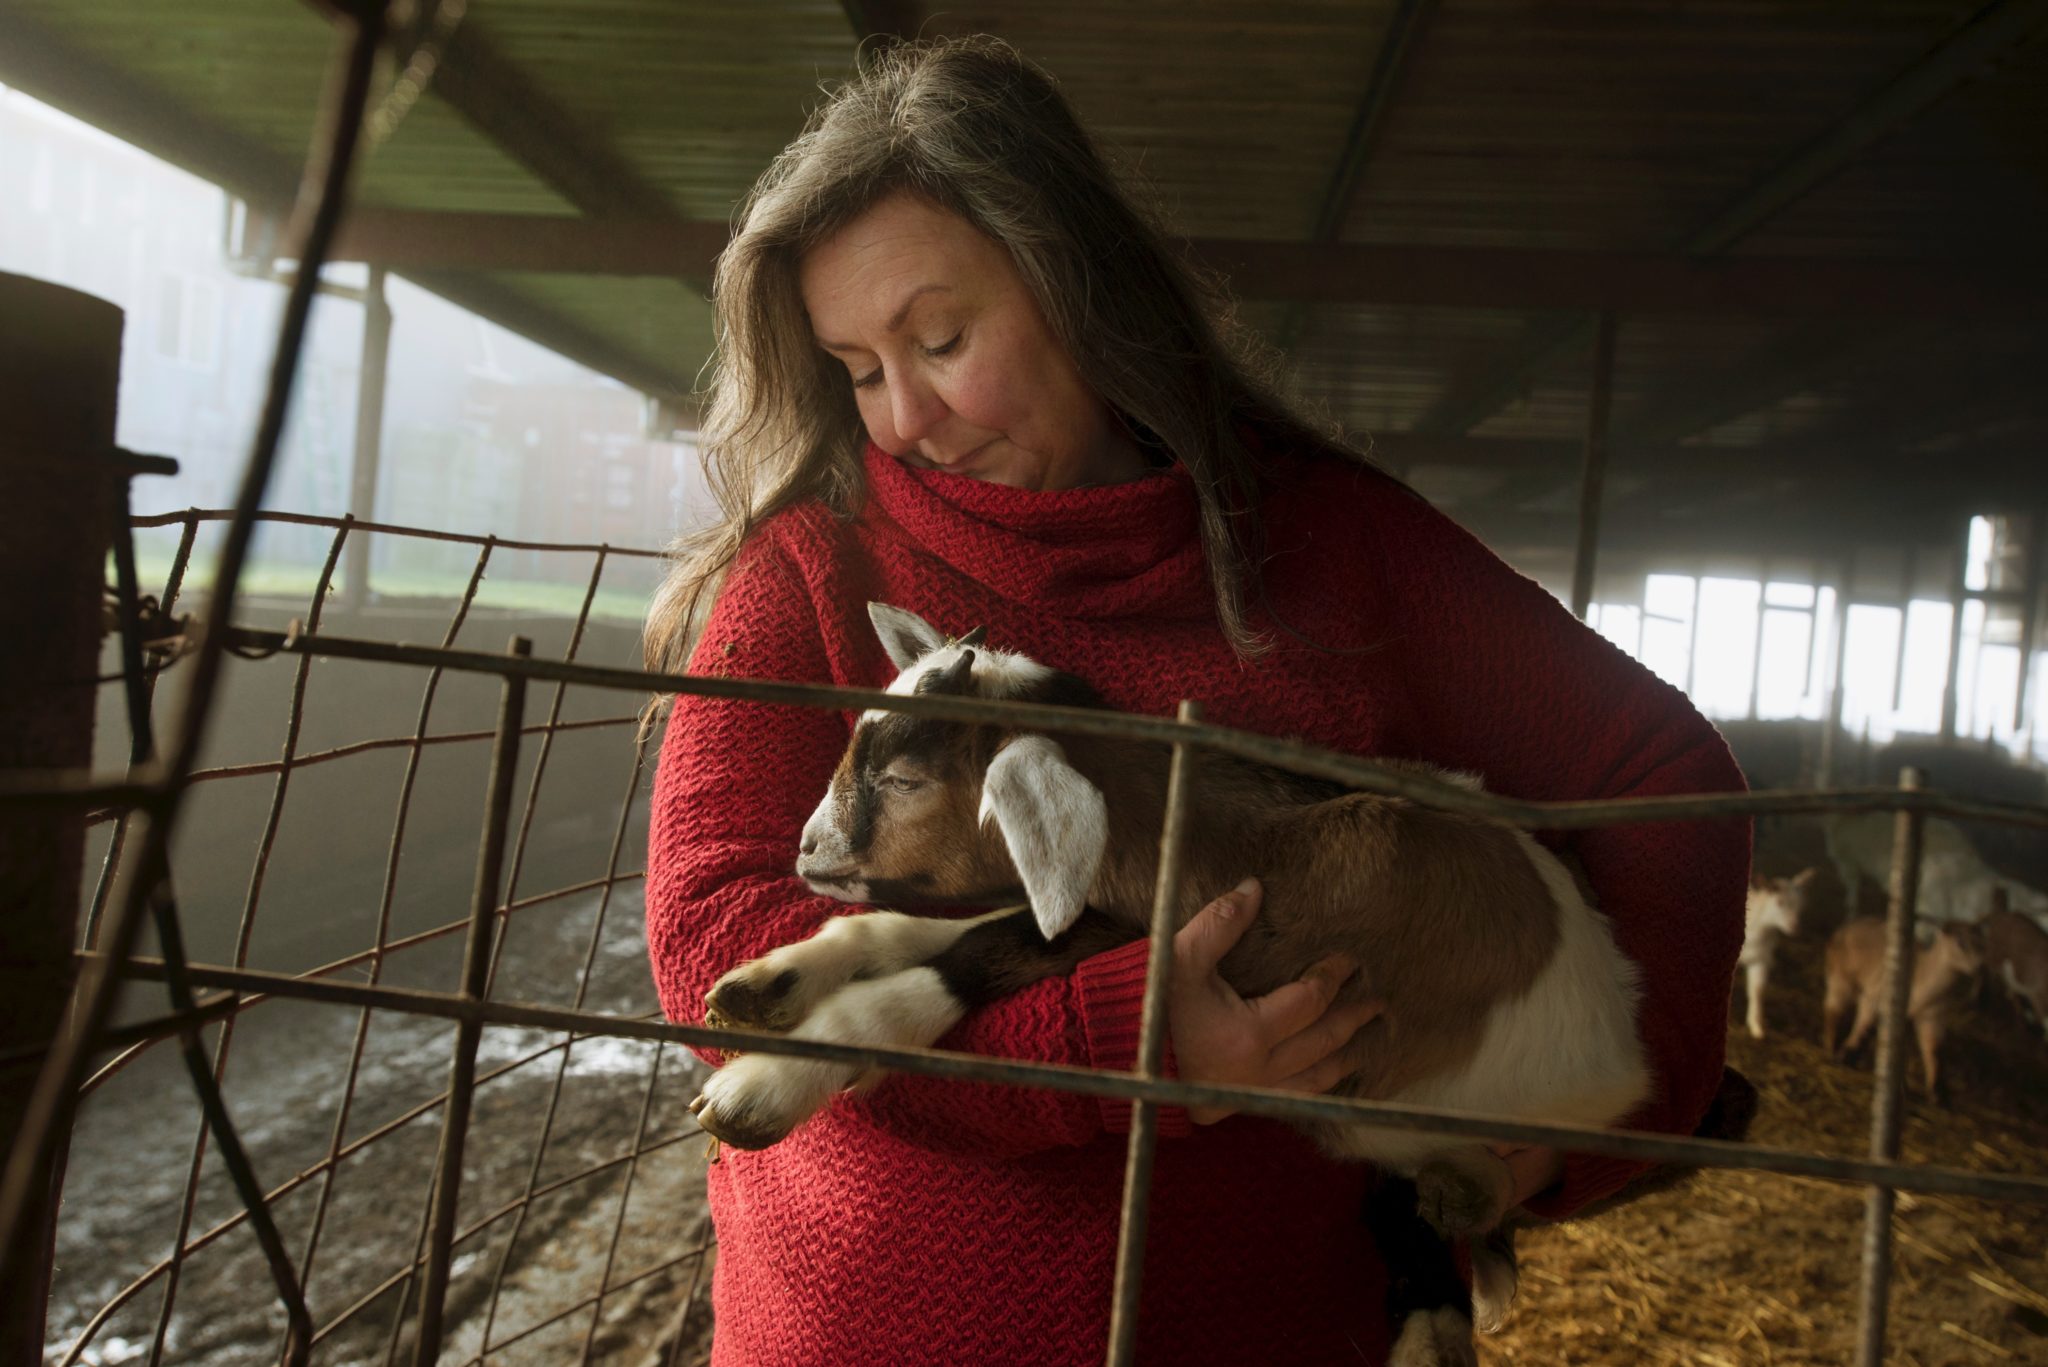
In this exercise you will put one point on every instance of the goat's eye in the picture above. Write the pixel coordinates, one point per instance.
(898, 783)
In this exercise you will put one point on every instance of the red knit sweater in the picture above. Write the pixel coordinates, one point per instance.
(929, 1222)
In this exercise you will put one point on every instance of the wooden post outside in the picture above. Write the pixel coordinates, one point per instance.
(1593, 477)
(362, 495)
(60, 362)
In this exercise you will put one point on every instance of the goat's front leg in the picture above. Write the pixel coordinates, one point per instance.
(779, 989)
(1759, 976)
(757, 1099)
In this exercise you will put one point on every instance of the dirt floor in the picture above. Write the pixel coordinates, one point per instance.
(1746, 1268)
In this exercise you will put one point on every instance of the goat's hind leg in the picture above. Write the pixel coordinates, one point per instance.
(1464, 1191)
(1429, 1311)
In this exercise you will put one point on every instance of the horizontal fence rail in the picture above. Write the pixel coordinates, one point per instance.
(939, 1063)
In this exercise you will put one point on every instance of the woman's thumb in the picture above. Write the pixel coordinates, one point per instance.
(1205, 939)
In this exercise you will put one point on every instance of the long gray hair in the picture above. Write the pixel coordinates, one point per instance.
(975, 129)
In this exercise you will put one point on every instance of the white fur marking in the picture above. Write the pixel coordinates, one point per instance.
(996, 674)
(1565, 1050)
(777, 1093)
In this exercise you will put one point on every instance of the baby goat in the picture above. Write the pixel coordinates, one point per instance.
(1772, 914)
(1947, 976)
(1504, 989)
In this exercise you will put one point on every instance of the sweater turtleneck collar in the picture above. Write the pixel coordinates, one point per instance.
(1112, 550)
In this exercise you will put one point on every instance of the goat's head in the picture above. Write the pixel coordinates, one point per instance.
(948, 812)
(1958, 947)
(1795, 894)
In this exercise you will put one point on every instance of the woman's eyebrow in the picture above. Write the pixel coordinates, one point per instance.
(896, 320)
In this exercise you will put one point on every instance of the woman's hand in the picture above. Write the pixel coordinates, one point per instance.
(1290, 1038)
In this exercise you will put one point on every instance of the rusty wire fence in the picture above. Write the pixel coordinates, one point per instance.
(152, 639)
(409, 1302)
(136, 887)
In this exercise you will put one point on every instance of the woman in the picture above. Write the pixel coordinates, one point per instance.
(960, 372)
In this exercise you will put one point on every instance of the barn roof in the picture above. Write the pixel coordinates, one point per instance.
(1819, 227)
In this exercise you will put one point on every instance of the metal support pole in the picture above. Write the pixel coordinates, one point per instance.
(60, 357)
(476, 967)
(1837, 686)
(2030, 616)
(1891, 1059)
(362, 492)
(1911, 576)
(1950, 689)
(1593, 476)
(1692, 646)
(1756, 651)
(1137, 1207)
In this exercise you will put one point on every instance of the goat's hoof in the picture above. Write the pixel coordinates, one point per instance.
(749, 999)
(1456, 1201)
(1435, 1338)
(725, 1115)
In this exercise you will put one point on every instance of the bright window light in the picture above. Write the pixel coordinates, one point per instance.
(1727, 646)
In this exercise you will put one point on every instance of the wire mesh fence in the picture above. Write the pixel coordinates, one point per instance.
(408, 1302)
(314, 1184)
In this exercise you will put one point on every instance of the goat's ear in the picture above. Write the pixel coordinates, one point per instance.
(978, 636)
(956, 678)
(906, 636)
(1054, 823)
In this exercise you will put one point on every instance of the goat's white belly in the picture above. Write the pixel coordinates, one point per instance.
(1565, 1051)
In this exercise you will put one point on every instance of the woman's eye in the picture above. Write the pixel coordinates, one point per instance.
(869, 380)
(944, 348)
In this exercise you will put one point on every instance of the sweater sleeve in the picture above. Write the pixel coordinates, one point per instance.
(736, 782)
(1506, 683)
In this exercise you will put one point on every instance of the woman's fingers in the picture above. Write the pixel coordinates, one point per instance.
(1317, 1078)
(1293, 1007)
(1211, 933)
(1322, 1041)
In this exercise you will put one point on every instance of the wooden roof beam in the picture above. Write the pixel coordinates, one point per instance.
(1390, 65)
(1335, 272)
(488, 298)
(887, 20)
(1992, 30)
(506, 106)
(111, 100)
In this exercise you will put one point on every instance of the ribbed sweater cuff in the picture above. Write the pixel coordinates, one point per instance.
(1111, 991)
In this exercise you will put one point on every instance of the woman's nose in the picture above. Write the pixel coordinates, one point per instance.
(914, 409)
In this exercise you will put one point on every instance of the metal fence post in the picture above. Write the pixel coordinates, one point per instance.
(1137, 1207)
(476, 967)
(1890, 1074)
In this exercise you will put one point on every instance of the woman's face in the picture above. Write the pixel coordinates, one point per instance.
(952, 364)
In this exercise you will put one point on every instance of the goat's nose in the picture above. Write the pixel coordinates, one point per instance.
(808, 846)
